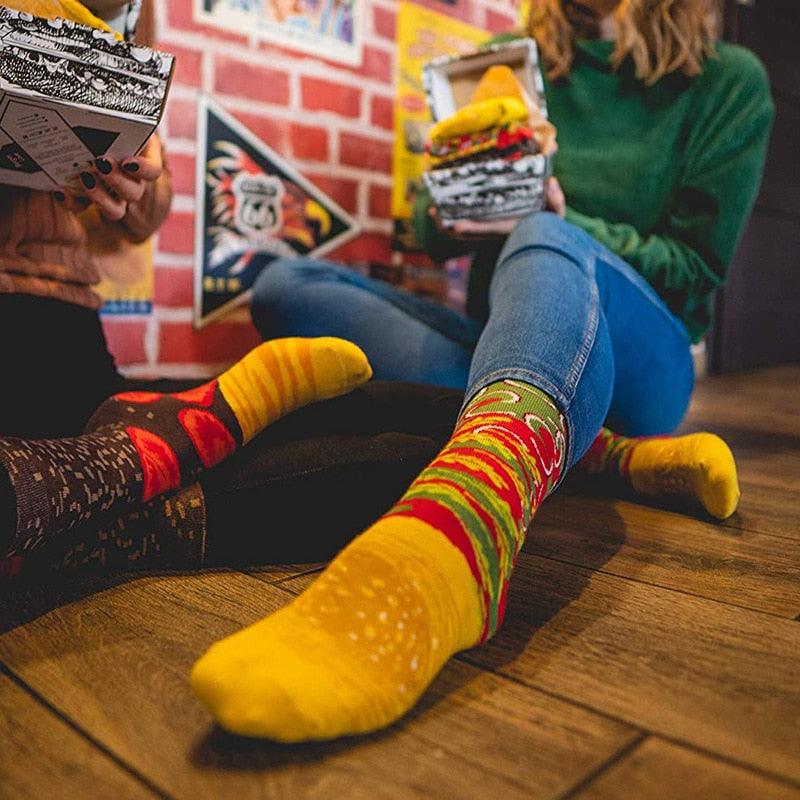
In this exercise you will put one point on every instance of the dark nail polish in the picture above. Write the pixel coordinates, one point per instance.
(60, 196)
(104, 165)
(132, 167)
(88, 180)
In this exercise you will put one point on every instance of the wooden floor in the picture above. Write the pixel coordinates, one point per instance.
(646, 654)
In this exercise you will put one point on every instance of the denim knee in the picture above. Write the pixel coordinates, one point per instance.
(656, 403)
(547, 231)
(276, 290)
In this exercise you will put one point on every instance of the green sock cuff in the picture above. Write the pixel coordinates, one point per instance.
(522, 401)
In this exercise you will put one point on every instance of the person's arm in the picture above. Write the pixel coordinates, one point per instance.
(686, 258)
(134, 195)
(146, 28)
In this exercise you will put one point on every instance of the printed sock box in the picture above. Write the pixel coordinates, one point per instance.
(69, 94)
(485, 188)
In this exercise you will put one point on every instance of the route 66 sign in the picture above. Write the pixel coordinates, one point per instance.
(253, 207)
(257, 200)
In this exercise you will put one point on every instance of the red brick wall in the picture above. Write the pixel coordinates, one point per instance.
(333, 121)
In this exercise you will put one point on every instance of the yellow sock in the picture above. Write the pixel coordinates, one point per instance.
(356, 650)
(176, 436)
(698, 466)
(282, 375)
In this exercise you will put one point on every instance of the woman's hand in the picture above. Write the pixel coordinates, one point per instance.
(554, 198)
(474, 230)
(135, 193)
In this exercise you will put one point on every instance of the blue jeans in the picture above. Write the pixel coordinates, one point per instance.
(566, 315)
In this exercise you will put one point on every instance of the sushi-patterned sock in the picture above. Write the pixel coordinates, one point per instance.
(141, 445)
(356, 650)
(698, 467)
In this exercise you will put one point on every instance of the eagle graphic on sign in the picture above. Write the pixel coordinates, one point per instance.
(255, 207)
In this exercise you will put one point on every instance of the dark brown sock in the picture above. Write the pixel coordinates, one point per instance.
(141, 446)
(166, 533)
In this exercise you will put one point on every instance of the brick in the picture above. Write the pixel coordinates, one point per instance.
(382, 112)
(182, 168)
(181, 119)
(322, 95)
(176, 235)
(180, 16)
(125, 340)
(173, 287)
(380, 202)
(377, 64)
(384, 23)
(366, 153)
(234, 77)
(188, 63)
(499, 22)
(343, 191)
(275, 132)
(367, 247)
(222, 342)
(309, 142)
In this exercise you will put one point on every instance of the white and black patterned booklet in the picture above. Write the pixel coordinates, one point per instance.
(70, 93)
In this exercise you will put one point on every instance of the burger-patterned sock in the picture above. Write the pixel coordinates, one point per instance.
(698, 467)
(169, 532)
(357, 649)
(141, 445)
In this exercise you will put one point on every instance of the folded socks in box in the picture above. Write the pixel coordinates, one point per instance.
(490, 158)
(484, 189)
(79, 64)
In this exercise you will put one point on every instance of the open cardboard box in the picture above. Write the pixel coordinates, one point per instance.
(485, 189)
(451, 81)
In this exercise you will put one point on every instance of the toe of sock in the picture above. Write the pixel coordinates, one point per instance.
(262, 683)
(720, 485)
(339, 365)
(698, 466)
(247, 701)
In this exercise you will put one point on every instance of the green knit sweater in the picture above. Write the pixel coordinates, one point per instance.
(664, 176)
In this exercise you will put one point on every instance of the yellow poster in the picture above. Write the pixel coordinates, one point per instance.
(126, 268)
(127, 286)
(524, 10)
(421, 36)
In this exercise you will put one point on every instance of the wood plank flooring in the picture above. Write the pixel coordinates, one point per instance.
(647, 653)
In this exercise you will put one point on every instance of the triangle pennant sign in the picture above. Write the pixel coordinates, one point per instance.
(253, 207)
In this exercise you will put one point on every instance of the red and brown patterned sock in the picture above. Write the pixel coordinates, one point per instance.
(166, 533)
(143, 445)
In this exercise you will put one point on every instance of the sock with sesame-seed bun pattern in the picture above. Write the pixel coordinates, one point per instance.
(357, 649)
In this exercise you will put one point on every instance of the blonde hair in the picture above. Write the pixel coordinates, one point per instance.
(660, 36)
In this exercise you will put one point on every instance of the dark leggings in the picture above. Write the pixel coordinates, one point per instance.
(298, 492)
(56, 368)
(55, 364)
